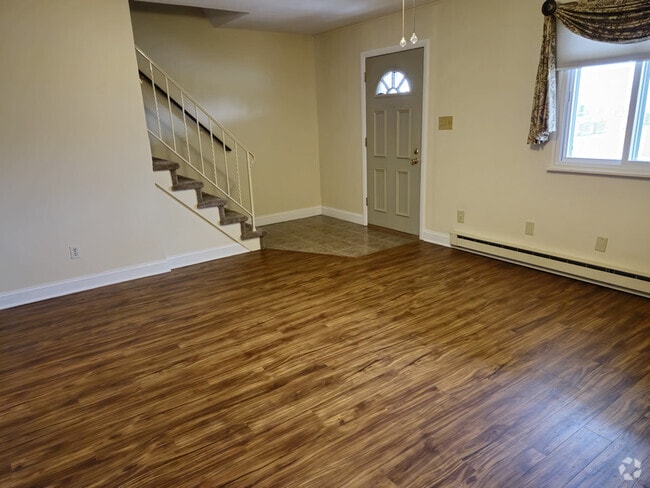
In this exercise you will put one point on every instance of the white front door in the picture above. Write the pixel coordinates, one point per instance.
(394, 124)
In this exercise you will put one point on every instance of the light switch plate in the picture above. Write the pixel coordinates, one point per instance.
(446, 122)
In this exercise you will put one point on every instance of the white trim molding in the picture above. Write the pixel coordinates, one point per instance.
(433, 237)
(204, 255)
(82, 283)
(301, 213)
(355, 218)
(88, 282)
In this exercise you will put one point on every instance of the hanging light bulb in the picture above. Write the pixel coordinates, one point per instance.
(403, 41)
(414, 37)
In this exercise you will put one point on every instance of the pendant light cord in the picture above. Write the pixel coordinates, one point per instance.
(414, 37)
(403, 41)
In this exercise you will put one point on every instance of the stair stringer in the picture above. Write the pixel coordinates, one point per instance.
(187, 198)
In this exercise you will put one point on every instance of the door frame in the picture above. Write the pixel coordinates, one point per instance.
(424, 43)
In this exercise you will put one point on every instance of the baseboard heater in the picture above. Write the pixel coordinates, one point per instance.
(614, 278)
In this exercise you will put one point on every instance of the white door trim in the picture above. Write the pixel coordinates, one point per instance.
(424, 43)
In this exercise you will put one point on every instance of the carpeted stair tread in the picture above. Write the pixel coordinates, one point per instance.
(247, 232)
(208, 201)
(232, 217)
(185, 183)
(164, 165)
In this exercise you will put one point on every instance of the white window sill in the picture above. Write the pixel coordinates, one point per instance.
(602, 170)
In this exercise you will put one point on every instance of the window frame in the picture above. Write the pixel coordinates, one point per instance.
(567, 105)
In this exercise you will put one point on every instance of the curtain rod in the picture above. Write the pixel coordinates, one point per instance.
(549, 7)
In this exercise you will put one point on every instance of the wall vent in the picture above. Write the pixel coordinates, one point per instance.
(594, 273)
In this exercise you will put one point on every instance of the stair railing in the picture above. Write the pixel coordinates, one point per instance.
(194, 142)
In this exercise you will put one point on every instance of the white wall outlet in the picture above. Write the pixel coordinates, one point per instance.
(530, 228)
(601, 244)
(460, 216)
(74, 252)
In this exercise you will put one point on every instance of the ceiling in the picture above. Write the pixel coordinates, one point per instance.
(297, 16)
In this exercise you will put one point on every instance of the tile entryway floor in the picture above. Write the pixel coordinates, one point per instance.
(327, 235)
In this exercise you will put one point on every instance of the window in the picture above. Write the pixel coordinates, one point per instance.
(393, 82)
(605, 119)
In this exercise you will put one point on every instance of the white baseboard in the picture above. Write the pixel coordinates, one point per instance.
(196, 257)
(88, 282)
(301, 213)
(83, 283)
(603, 274)
(343, 215)
(434, 237)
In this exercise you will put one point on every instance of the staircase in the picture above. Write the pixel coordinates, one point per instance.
(196, 160)
(201, 203)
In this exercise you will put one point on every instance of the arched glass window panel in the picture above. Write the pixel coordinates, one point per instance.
(393, 82)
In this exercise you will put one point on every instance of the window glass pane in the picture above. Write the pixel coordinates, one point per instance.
(600, 111)
(641, 151)
(404, 87)
(644, 141)
(393, 82)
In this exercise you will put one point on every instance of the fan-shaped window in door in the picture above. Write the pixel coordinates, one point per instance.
(393, 82)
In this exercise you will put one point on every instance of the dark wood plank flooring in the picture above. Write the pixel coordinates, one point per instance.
(417, 366)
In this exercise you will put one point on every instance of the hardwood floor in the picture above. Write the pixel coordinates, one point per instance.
(417, 366)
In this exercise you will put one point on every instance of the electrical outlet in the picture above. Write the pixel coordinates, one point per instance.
(460, 216)
(530, 228)
(74, 252)
(601, 244)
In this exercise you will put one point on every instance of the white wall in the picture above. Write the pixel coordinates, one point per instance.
(75, 157)
(260, 85)
(483, 61)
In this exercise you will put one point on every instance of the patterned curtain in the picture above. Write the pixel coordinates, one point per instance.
(617, 21)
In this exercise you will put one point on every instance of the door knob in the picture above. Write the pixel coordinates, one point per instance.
(416, 159)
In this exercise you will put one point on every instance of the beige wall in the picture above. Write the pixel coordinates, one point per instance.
(75, 158)
(482, 66)
(260, 85)
(188, 234)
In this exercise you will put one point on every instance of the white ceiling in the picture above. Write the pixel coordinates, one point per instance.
(298, 16)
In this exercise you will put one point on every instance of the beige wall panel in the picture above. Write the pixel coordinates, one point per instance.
(188, 233)
(76, 167)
